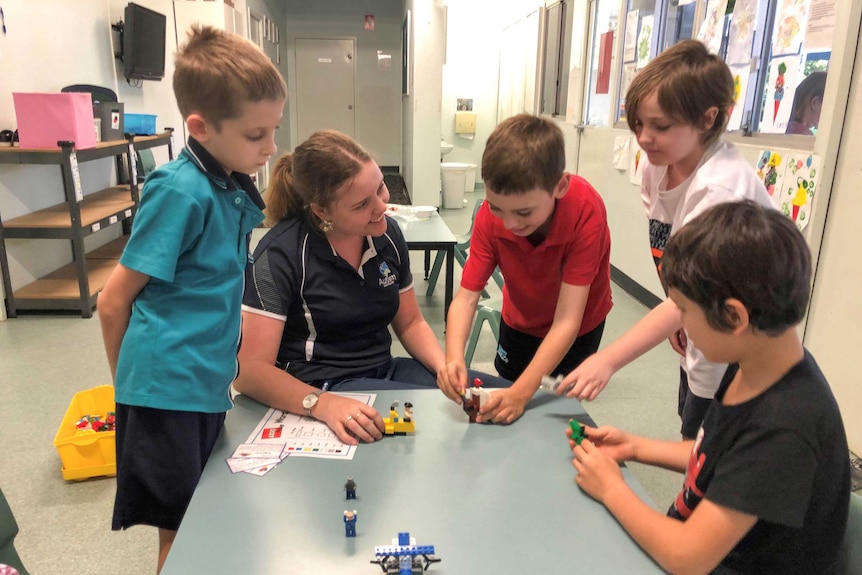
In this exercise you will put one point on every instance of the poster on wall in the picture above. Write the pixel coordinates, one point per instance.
(784, 75)
(645, 41)
(620, 156)
(770, 170)
(741, 75)
(741, 35)
(791, 17)
(801, 180)
(629, 72)
(631, 38)
(713, 25)
(820, 30)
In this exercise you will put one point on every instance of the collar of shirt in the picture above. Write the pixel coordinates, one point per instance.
(207, 164)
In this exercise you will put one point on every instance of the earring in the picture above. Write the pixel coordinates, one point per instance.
(326, 226)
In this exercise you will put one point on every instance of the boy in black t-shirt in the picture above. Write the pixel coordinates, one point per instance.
(767, 482)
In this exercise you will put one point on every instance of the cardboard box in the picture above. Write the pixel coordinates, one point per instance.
(87, 453)
(45, 119)
(113, 120)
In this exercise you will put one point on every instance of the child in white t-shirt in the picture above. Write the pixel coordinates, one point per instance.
(677, 107)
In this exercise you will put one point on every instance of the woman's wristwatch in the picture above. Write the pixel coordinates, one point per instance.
(309, 401)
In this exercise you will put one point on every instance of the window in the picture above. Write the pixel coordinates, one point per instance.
(604, 25)
(778, 52)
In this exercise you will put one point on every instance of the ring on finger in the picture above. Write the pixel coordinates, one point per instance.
(346, 421)
(357, 415)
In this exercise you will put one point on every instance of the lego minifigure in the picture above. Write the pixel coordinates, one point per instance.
(408, 412)
(393, 412)
(350, 488)
(473, 398)
(578, 432)
(350, 523)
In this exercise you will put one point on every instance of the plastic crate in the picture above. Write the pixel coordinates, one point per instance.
(87, 453)
(140, 124)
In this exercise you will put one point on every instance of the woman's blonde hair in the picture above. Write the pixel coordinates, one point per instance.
(312, 174)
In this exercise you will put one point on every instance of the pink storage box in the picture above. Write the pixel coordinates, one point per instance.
(45, 119)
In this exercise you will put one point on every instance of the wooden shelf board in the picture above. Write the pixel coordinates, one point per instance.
(110, 251)
(63, 283)
(94, 207)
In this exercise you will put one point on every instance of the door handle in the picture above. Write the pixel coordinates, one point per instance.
(580, 128)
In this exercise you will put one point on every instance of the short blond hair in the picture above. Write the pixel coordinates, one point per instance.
(216, 73)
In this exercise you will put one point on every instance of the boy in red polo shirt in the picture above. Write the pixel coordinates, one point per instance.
(547, 231)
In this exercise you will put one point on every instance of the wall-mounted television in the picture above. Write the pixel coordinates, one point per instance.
(143, 43)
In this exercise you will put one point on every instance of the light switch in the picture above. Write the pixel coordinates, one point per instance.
(465, 122)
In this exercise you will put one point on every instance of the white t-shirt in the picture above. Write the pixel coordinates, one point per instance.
(722, 175)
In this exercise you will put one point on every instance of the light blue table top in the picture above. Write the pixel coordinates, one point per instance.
(491, 499)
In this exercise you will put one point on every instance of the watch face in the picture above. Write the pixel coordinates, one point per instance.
(309, 401)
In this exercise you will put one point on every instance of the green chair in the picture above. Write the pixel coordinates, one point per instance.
(462, 244)
(487, 312)
(8, 531)
(852, 548)
(146, 163)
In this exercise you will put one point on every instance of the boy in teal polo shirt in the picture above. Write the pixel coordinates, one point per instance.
(170, 312)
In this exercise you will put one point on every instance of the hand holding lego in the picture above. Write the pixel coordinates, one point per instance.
(598, 474)
(352, 421)
(615, 443)
(504, 406)
(452, 379)
(588, 380)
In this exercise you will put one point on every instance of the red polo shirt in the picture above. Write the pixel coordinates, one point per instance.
(577, 251)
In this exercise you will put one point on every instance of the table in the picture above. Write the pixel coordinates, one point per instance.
(491, 499)
(432, 234)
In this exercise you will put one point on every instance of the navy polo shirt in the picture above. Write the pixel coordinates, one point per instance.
(190, 236)
(336, 318)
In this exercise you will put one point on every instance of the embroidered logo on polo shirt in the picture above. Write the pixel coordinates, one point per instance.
(387, 278)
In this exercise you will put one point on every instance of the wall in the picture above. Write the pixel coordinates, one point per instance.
(378, 92)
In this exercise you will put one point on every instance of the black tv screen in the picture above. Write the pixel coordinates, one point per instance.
(143, 44)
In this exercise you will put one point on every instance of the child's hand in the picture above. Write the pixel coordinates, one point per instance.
(614, 443)
(588, 380)
(598, 474)
(504, 406)
(352, 421)
(679, 341)
(452, 380)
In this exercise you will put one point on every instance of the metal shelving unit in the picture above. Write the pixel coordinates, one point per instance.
(75, 285)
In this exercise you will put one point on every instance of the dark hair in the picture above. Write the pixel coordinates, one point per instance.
(313, 173)
(688, 80)
(217, 73)
(744, 251)
(524, 152)
(811, 87)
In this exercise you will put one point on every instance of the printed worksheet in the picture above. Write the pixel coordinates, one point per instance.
(304, 436)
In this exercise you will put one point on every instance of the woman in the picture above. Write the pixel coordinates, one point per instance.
(326, 282)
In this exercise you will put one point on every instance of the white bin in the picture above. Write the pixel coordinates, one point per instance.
(454, 178)
(470, 180)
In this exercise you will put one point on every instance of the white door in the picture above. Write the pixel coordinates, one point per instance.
(325, 86)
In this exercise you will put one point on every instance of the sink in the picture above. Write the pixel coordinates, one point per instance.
(445, 148)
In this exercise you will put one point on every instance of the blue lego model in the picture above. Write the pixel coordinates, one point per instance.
(350, 523)
(404, 557)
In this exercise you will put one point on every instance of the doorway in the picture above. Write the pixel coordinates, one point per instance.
(325, 86)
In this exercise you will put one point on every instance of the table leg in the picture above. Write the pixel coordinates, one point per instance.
(450, 277)
(427, 263)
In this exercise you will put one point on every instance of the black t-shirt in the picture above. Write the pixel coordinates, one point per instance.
(781, 456)
(336, 318)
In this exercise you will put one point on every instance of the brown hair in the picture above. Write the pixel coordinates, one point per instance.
(811, 87)
(688, 80)
(312, 173)
(522, 153)
(744, 251)
(216, 73)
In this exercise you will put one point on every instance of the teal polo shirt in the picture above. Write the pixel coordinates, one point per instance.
(190, 236)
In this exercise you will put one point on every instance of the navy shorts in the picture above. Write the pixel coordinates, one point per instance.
(516, 349)
(690, 407)
(160, 457)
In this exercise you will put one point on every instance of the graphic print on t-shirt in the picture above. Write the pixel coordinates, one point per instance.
(690, 495)
(659, 233)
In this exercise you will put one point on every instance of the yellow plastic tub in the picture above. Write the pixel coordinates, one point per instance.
(87, 453)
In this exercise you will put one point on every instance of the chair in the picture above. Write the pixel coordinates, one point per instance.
(462, 244)
(8, 531)
(146, 163)
(852, 549)
(487, 312)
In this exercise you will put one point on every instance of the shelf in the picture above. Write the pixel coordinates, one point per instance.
(54, 156)
(62, 284)
(110, 251)
(105, 208)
